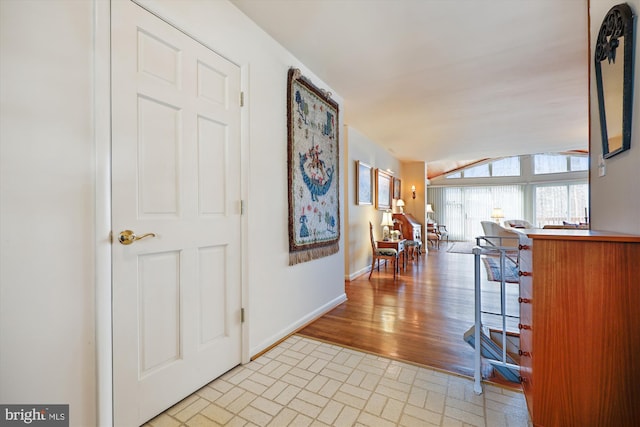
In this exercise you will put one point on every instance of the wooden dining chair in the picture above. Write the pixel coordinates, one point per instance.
(387, 254)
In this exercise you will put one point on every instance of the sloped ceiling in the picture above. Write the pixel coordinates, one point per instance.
(435, 80)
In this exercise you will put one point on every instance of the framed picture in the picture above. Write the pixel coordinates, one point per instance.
(364, 181)
(383, 190)
(396, 188)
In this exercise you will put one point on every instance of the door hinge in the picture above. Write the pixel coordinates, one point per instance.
(242, 315)
(241, 207)
(242, 99)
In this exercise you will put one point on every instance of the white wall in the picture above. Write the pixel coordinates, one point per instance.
(48, 189)
(47, 344)
(615, 197)
(361, 148)
(47, 192)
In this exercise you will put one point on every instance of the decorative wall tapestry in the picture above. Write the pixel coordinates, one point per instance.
(313, 160)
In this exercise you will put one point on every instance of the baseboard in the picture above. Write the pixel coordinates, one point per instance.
(357, 274)
(299, 324)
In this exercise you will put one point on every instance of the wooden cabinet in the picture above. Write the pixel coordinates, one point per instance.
(411, 228)
(580, 327)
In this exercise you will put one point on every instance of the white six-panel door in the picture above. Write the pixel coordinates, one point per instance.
(176, 174)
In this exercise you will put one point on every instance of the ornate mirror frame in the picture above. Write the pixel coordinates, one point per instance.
(615, 92)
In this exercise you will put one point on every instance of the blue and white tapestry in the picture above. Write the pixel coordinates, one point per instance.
(314, 210)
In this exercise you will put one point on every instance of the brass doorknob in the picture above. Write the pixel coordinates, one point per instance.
(127, 237)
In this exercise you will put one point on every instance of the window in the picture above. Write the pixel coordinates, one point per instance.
(504, 183)
(559, 163)
(579, 163)
(479, 171)
(509, 166)
(462, 208)
(558, 203)
(549, 163)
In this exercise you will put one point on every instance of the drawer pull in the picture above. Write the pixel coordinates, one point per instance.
(524, 247)
(526, 327)
(523, 379)
(525, 273)
(524, 300)
(524, 353)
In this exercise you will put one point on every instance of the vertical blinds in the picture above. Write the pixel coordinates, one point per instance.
(462, 208)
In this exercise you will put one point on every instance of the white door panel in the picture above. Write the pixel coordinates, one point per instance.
(175, 173)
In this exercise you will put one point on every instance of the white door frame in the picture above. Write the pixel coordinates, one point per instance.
(102, 194)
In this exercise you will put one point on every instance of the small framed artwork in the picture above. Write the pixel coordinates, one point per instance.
(364, 181)
(396, 188)
(383, 190)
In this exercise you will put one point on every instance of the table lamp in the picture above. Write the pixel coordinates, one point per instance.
(429, 211)
(497, 214)
(387, 221)
(400, 205)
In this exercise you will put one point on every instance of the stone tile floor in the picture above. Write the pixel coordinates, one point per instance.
(304, 382)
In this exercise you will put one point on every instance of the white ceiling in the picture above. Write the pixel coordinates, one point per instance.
(439, 80)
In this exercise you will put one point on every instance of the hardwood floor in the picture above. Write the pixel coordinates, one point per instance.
(421, 316)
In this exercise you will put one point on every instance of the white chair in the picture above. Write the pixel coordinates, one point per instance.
(504, 237)
(518, 223)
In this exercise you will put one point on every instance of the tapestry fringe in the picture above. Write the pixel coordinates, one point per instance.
(311, 254)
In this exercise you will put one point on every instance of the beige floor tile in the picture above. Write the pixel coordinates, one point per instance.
(209, 393)
(330, 388)
(163, 420)
(422, 414)
(347, 417)
(192, 409)
(371, 420)
(255, 416)
(393, 410)
(355, 391)
(464, 416)
(217, 414)
(375, 405)
(287, 395)
(410, 421)
(182, 404)
(268, 406)
(201, 421)
(435, 402)
(302, 382)
(330, 412)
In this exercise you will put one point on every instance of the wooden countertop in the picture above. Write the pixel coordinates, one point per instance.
(576, 234)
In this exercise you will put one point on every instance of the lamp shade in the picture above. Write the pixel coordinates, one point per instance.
(429, 208)
(400, 203)
(387, 219)
(497, 213)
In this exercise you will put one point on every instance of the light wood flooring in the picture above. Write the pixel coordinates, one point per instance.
(419, 317)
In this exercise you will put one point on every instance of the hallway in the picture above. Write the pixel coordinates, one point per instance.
(420, 317)
(391, 355)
